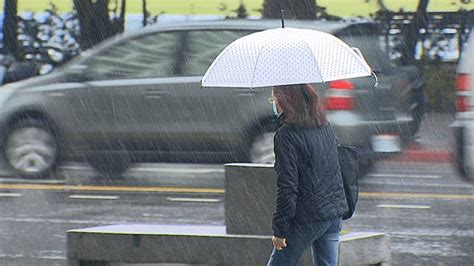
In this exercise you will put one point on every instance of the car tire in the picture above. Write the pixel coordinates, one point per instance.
(460, 154)
(418, 111)
(31, 149)
(261, 148)
(109, 165)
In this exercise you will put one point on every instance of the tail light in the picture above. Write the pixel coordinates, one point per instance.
(334, 103)
(463, 84)
(341, 85)
(339, 96)
(462, 103)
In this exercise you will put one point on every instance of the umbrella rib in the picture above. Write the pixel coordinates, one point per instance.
(315, 61)
(359, 59)
(211, 67)
(256, 63)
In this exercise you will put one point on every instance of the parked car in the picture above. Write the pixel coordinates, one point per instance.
(137, 98)
(463, 126)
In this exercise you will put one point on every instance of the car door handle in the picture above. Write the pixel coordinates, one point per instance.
(153, 94)
(154, 91)
(244, 92)
(56, 94)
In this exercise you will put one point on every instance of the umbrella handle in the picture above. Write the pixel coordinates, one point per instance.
(376, 79)
(358, 52)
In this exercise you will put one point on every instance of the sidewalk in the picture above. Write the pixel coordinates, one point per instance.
(434, 141)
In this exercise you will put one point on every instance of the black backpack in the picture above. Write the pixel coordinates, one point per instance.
(348, 161)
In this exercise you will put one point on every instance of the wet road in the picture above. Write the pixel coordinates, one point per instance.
(425, 208)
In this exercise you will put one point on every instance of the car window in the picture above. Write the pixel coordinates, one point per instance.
(203, 46)
(369, 45)
(147, 56)
(466, 61)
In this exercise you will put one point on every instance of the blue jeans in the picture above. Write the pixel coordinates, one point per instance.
(323, 237)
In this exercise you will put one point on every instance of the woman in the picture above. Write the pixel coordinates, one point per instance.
(310, 198)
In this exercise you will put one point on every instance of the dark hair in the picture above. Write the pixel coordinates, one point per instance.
(300, 105)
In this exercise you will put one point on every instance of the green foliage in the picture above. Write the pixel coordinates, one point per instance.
(336, 7)
(241, 11)
(439, 90)
(322, 13)
(302, 9)
(53, 8)
(222, 7)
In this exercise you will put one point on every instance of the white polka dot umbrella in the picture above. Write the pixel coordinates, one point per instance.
(285, 56)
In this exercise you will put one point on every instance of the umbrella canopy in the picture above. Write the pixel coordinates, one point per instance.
(285, 56)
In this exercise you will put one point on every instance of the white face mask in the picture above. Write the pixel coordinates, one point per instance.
(275, 110)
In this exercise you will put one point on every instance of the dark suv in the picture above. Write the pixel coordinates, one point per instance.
(137, 98)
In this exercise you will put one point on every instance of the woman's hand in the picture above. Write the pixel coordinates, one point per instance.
(279, 243)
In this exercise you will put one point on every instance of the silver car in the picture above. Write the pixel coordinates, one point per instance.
(137, 98)
(463, 126)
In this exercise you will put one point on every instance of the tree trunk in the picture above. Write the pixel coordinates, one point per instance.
(300, 9)
(411, 35)
(122, 17)
(10, 28)
(95, 22)
(145, 13)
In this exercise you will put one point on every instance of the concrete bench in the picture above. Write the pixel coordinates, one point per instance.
(199, 244)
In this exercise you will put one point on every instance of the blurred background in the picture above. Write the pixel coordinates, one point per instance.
(49, 33)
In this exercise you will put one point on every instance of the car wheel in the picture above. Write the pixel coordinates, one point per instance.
(460, 154)
(31, 149)
(110, 165)
(418, 111)
(261, 149)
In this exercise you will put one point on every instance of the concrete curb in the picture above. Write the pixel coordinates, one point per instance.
(415, 152)
(424, 156)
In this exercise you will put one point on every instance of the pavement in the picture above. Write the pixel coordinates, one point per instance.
(434, 141)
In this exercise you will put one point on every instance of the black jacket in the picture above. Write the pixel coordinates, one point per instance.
(308, 177)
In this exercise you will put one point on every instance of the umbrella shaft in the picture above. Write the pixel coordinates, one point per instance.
(282, 14)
